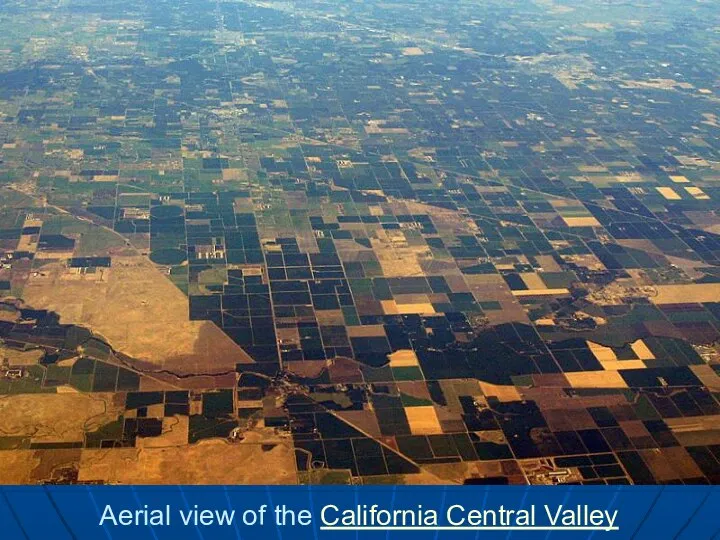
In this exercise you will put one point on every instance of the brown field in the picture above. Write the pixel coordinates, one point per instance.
(140, 312)
(456, 473)
(64, 417)
(707, 376)
(366, 331)
(208, 462)
(416, 389)
(49, 461)
(682, 462)
(8, 315)
(423, 478)
(365, 421)
(695, 431)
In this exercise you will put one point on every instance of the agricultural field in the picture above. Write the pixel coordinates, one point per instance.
(422, 242)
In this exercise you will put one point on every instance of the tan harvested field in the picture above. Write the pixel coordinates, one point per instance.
(698, 193)
(679, 179)
(669, 193)
(403, 358)
(614, 365)
(533, 281)
(542, 292)
(424, 308)
(694, 423)
(64, 417)
(395, 307)
(502, 393)
(602, 353)
(399, 261)
(140, 312)
(413, 51)
(684, 294)
(596, 379)
(581, 222)
(20, 358)
(208, 462)
(423, 420)
(17, 466)
(641, 350)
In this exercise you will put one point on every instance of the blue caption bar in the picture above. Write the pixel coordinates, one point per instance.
(352, 512)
